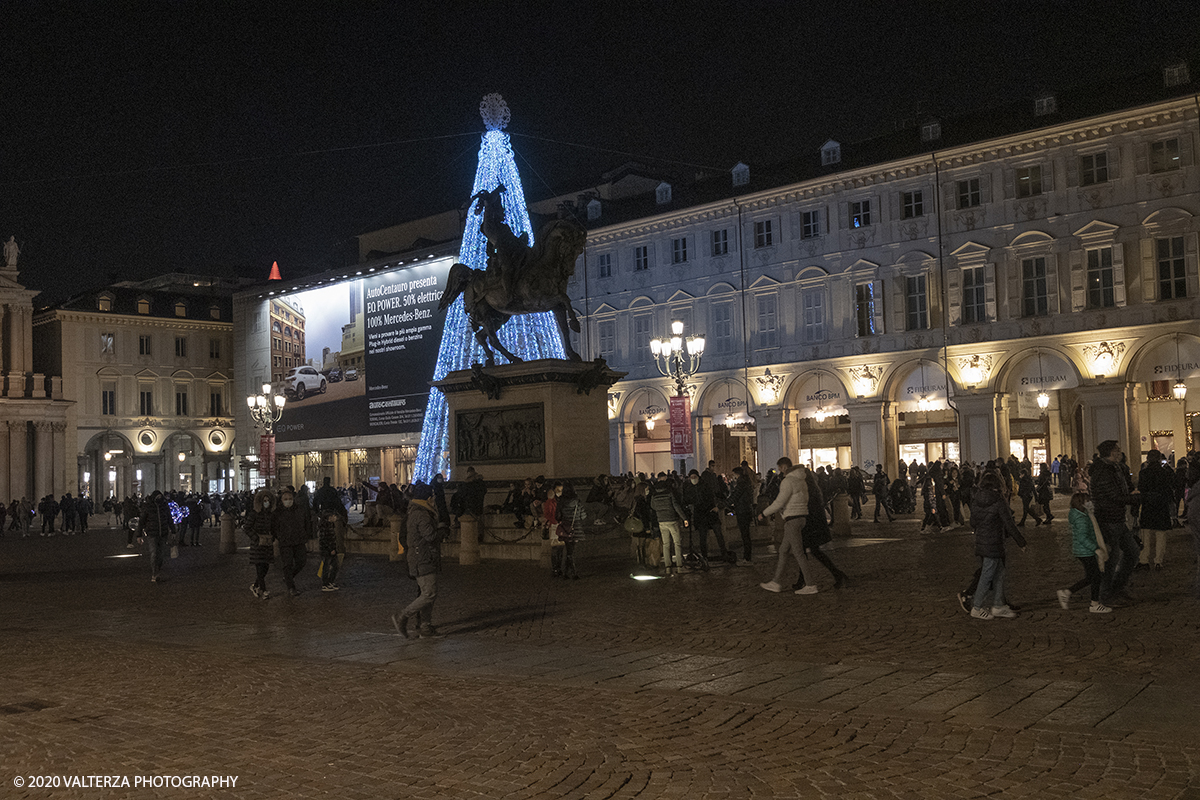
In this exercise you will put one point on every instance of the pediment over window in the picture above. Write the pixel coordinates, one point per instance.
(971, 253)
(812, 273)
(764, 282)
(1167, 216)
(680, 296)
(182, 375)
(862, 265)
(146, 374)
(641, 302)
(213, 377)
(1097, 230)
(720, 288)
(1032, 239)
(605, 308)
(915, 257)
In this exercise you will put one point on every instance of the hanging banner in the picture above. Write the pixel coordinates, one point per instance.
(266, 455)
(681, 426)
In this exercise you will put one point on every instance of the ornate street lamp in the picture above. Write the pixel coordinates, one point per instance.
(265, 410)
(669, 356)
(678, 358)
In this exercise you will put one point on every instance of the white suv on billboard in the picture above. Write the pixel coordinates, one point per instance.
(303, 381)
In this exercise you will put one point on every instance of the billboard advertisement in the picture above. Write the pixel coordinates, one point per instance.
(355, 357)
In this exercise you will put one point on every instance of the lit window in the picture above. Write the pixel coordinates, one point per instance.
(143, 306)
(864, 307)
(1029, 181)
(1164, 155)
(180, 308)
(1100, 279)
(860, 213)
(104, 303)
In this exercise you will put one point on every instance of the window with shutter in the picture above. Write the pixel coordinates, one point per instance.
(974, 296)
(916, 303)
(812, 301)
(768, 322)
(867, 309)
(1035, 299)
(969, 193)
(1164, 155)
(1171, 272)
(1100, 282)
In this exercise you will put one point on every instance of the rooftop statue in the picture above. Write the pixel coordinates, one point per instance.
(519, 279)
(11, 251)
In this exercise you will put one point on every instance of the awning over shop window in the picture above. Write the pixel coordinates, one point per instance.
(1050, 373)
(820, 393)
(1164, 363)
(924, 389)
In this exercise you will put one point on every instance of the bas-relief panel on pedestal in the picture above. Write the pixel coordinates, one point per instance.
(514, 434)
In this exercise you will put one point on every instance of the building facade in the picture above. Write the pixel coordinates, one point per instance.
(287, 338)
(147, 368)
(917, 306)
(33, 409)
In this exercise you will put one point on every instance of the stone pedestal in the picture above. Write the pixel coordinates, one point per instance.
(546, 417)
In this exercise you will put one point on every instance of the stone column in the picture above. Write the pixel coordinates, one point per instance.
(702, 440)
(977, 427)
(18, 446)
(621, 438)
(59, 477)
(790, 429)
(5, 460)
(1105, 412)
(873, 435)
(43, 457)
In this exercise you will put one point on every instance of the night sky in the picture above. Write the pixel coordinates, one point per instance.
(141, 138)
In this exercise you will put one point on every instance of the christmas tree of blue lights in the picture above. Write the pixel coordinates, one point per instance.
(530, 336)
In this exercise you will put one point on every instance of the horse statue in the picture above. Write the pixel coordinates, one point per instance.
(519, 279)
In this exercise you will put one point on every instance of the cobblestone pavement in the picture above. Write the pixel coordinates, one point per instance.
(702, 685)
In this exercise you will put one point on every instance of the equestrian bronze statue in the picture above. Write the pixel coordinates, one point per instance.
(519, 279)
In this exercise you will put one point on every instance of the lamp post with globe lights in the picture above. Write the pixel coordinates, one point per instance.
(678, 357)
(266, 408)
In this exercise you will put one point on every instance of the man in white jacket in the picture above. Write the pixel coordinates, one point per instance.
(793, 502)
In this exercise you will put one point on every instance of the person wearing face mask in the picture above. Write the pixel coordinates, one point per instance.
(293, 527)
(701, 505)
(259, 525)
(793, 503)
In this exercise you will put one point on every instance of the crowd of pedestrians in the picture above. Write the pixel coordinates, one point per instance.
(1115, 525)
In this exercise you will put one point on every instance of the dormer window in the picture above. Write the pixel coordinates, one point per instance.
(143, 305)
(662, 195)
(741, 174)
(180, 308)
(931, 131)
(1176, 74)
(104, 302)
(831, 153)
(593, 209)
(214, 311)
(1046, 104)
